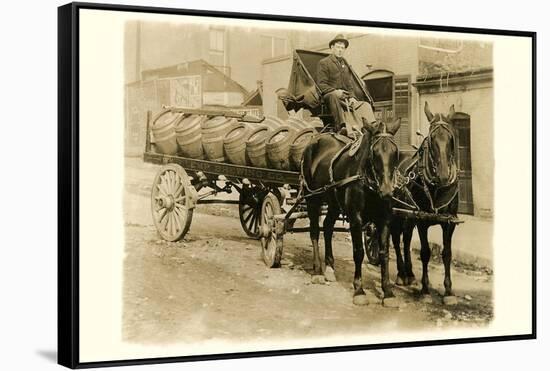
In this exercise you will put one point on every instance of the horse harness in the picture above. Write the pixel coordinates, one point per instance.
(372, 182)
(424, 177)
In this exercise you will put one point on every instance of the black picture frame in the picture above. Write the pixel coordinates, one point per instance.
(68, 183)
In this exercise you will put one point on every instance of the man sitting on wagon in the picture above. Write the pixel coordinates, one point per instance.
(335, 79)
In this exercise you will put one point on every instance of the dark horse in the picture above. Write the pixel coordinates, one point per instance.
(356, 180)
(432, 188)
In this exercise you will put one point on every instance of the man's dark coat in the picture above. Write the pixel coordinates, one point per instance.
(332, 75)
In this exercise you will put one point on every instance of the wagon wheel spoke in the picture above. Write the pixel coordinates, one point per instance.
(161, 189)
(174, 183)
(178, 191)
(173, 215)
(248, 211)
(248, 216)
(162, 213)
(252, 222)
(173, 223)
(169, 182)
(164, 184)
(256, 220)
(177, 217)
(164, 221)
(271, 243)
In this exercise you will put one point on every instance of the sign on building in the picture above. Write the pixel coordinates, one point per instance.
(185, 91)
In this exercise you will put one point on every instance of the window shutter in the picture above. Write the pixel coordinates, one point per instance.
(401, 107)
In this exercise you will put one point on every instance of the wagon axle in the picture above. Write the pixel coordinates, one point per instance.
(166, 202)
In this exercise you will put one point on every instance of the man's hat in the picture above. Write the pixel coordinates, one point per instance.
(338, 38)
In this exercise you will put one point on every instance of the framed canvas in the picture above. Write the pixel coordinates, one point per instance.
(244, 185)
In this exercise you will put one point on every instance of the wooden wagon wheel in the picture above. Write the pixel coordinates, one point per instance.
(271, 243)
(250, 203)
(370, 241)
(170, 202)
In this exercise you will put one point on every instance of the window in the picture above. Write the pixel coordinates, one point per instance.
(217, 47)
(401, 107)
(391, 95)
(273, 46)
(380, 89)
(217, 40)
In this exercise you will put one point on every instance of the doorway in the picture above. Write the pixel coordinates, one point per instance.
(461, 123)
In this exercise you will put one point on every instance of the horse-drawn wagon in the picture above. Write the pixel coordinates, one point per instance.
(183, 182)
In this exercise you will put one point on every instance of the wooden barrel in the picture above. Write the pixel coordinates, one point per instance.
(189, 136)
(234, 143)
(298, 145)
(213, 131)
(255, 146)
(164, 133)
(316, 123)
(278, 148)
(298, 124)
(273, 121)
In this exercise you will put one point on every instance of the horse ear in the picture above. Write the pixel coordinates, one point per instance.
(451, 111)
(428, 113)
(394, 126)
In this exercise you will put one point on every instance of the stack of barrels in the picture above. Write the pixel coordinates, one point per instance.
(274, 143)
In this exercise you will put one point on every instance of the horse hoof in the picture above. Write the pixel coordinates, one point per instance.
(360, 300)
(399, 281)
(390, 302)
(329, 274)
(411, 281)
(427, 299)
(372, 298)
(450, 300)
(318, 279)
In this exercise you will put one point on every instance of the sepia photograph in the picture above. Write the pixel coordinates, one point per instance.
(258, 139)
(286, 185)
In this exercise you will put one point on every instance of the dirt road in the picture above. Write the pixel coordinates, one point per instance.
(214, 285)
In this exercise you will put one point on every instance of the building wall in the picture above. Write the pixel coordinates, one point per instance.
(477, 102)
(275, 75)
(222, 98)
(245, 65)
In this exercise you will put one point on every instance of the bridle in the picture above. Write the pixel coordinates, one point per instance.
(371, 177)
(428, 162)
(425, 175)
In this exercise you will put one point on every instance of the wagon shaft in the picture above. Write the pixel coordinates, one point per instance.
(422, 215)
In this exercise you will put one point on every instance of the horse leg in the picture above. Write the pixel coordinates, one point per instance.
(383, 243)
(328, 229)
(448, 229)
(425, 255)
(359, 297)
(396, 229)
(313, 212)
(407, 236)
